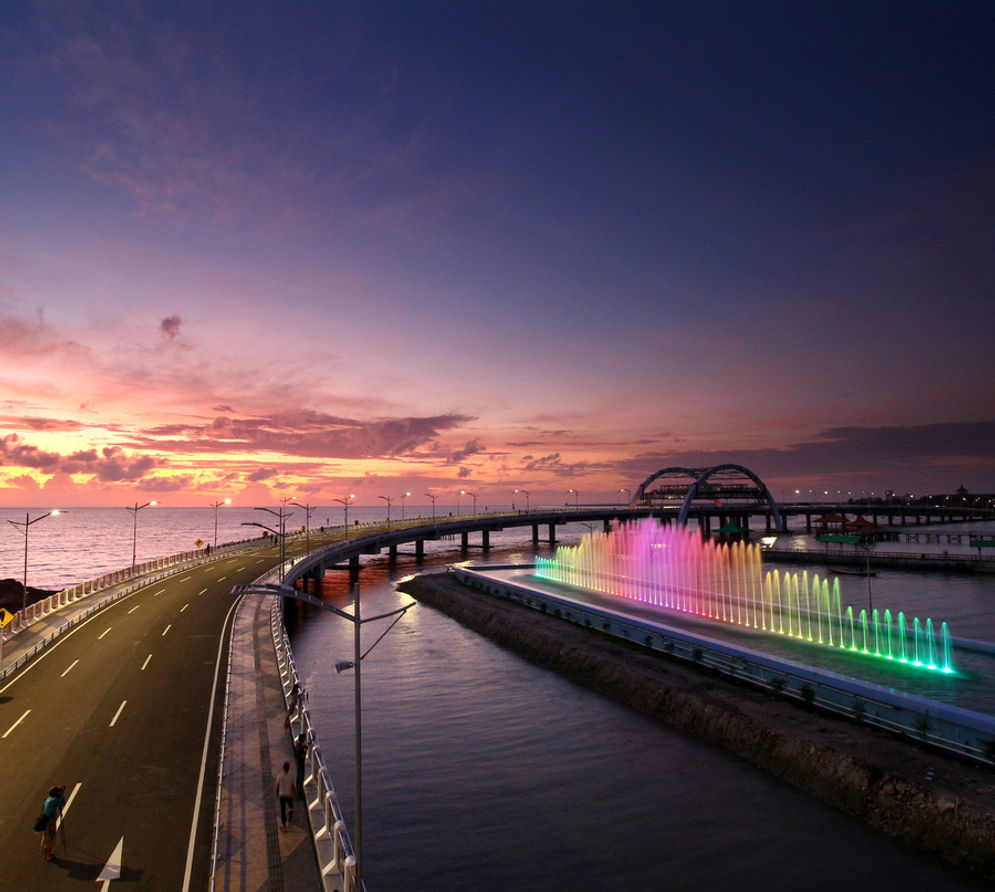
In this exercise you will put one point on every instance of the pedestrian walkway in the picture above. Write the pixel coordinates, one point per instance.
(252, 852)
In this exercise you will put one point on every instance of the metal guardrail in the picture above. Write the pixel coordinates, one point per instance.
(967, 733)
(333, 846)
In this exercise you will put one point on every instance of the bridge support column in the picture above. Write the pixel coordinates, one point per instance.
(535, 534)
(354, 569)
(464, 540)
(392, 553)
(552, 534)
(420, 551)
(485, 539)
(607, 526)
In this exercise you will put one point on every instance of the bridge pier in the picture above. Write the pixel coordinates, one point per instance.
(420, 551)
(464, 541)
(552, 534)
(485, 539)
(535, 534)
(354, 569)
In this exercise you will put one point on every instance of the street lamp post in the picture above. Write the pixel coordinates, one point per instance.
(388, 500)
(280, 532)
(473, 495)
(432, 497)
(345, 504)
(215, 506)
(527, 507)
(623, 490)
(576, 497)
(341, 665)
(403, 497)
(134, 528)
(307, 526)
(23, 525)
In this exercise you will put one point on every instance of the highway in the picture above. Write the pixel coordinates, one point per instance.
(123, 711)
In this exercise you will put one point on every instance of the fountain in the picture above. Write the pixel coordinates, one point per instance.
(674, 568)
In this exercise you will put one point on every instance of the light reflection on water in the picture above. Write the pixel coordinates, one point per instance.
(482, 771)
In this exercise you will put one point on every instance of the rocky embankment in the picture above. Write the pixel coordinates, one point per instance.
(12, 593)
(937, 804)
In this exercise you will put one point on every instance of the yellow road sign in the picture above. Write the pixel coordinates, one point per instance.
(5, 617)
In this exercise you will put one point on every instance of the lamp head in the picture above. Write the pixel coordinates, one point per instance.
(342, 665)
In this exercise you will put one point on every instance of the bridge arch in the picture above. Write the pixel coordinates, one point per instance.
(711, 483)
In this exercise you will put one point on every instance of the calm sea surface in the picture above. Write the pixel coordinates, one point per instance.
(483, 772)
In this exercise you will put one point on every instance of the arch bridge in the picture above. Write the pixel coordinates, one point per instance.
(720, 485)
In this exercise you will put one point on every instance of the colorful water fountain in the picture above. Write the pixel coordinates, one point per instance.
(672, 567)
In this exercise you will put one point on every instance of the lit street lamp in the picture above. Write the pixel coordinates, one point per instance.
(403, 497)
(527, 508)
(23, 525)
(623, 490)
(134, 528)
(345, 504)
(576, 496)
(473, 495)
(215, 506)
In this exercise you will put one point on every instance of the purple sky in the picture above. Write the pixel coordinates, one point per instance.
(257, 249)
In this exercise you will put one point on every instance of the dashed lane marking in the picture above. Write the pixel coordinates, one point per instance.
(69, 668)
(133, 609)
(184, 607)
(164, 631)
(12, 727)
(101, 635)
(117, 714)
(149, 657)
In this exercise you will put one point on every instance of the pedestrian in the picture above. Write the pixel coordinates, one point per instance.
(285, 791)
(292, 703)
(300, 754)
(52, 810)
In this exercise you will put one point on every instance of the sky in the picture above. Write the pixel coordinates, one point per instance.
(252, 250)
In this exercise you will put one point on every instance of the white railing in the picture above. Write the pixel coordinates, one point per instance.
(333, 847)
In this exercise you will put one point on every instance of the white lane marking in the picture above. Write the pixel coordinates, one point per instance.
(184, 607)
(222, 579)
(117, 714)
(133, 609)
(203, 591)
(69, 668)
(65, 808)
(207, 741)
(149, 657)
(156, 594)
(240, 569)
(164, 631)
(12, 727)
(101, 635)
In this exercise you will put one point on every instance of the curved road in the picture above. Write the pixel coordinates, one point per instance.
(119, 711)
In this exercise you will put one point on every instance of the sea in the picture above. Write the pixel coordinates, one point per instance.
(482, 771)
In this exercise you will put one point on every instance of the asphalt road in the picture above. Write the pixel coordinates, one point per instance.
(120, 711)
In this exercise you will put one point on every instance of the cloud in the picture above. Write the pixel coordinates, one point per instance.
(170, 326)
(110, 464)
(305, 433)
(473, 447)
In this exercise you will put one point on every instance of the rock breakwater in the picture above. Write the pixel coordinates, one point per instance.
(934, 803)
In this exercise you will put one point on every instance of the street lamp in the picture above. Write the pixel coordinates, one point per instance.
(576, 496)
(215, 506)
(623, 490)
(341, 666)
(432, 497)
(23, 525)
(403, 497)
(345, 504)
(134, 528)
(527, 508)
(388, 500)
(308, 508)
(281, 532)
(473, 495)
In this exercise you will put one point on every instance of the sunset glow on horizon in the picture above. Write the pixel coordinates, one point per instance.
(315, 249)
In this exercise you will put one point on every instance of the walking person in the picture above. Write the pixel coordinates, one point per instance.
(285, 791)
(52, 810)
(300, 755)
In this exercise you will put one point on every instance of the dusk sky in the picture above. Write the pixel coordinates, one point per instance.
(253, 250)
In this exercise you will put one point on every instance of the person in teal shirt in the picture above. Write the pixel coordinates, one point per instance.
(53, 809)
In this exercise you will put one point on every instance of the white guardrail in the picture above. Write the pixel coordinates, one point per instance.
(333, 846)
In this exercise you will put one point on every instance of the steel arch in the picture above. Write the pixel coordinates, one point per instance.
(700, 477)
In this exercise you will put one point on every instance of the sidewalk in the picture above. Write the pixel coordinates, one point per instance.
(252, 852)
